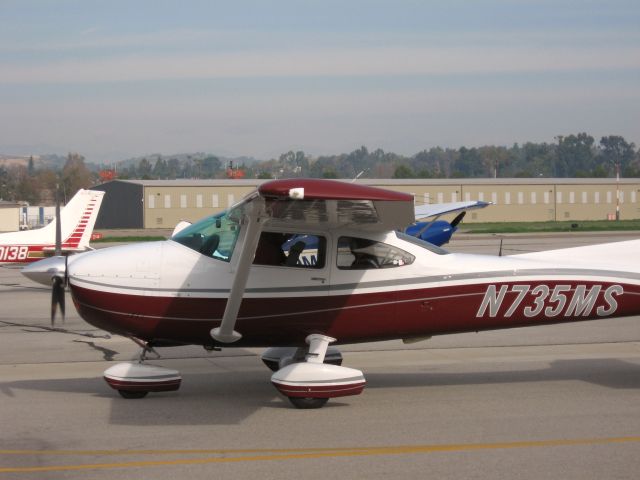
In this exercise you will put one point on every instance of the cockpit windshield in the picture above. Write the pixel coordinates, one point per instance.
(213, 236)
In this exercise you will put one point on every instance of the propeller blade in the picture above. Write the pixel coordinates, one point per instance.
(58, 249)
(57, 298)
(458, 219)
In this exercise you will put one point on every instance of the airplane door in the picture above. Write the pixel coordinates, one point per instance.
(289, 282)
(362, 288)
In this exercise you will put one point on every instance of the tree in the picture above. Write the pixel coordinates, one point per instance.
(468, 164)
(160, 168)
(402, 171)
(575, 157)
(616, 153)
(75, 175)
(210, 166)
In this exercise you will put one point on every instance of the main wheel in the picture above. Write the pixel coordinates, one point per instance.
(132, 393)
(308, 402)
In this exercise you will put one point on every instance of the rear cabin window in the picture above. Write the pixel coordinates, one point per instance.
(295, 250)
(363, 254)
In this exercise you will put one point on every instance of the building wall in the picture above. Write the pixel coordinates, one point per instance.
(9, 219)
(164, 204)
(122, 205)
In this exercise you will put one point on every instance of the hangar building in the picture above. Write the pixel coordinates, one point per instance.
(163, 203)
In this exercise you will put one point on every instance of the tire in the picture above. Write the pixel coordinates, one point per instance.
(130, 394)
(308, 402)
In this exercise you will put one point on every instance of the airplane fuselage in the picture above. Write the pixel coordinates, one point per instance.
(171, 293)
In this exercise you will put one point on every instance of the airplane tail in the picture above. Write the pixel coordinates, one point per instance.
(77, 219)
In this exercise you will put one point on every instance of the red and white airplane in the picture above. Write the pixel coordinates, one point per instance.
(235, 279)
(77, 220)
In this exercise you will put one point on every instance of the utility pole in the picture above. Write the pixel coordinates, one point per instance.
(617, 191)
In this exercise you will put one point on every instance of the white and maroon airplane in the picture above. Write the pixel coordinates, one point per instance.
(77, 220)
(235, 279)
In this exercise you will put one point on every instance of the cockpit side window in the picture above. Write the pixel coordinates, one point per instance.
(363, 254)
(214, 236)
(298, 250)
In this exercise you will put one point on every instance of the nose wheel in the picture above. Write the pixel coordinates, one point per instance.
(136, 380)
(130, 394)
(305, 403)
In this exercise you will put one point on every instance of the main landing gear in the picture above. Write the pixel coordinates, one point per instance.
(311, 383)
(136, 380)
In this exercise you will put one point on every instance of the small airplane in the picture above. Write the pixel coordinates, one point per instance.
(77, 220)
(226, 281)
(437, 231)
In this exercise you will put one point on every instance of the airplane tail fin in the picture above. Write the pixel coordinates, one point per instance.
(78, 218)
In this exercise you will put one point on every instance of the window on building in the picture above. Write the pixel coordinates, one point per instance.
(151, 203)
(231, 199)
(214, 200)
(507, 198)
(199, 201)
(520, 198)
(167, 201)
(534, 198)
(183, 201)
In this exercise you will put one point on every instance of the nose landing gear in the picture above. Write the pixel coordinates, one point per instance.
(136, 380)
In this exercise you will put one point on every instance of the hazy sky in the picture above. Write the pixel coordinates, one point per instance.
(114, 79)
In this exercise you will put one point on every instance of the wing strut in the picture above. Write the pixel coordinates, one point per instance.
(225, 333)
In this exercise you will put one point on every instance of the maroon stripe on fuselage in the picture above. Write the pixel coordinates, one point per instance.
(349, 318)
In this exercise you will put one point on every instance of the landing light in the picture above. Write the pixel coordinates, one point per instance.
(296, 193)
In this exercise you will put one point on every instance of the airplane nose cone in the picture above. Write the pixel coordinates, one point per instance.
(43, 271)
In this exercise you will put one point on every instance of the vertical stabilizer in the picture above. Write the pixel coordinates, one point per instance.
(78, 219)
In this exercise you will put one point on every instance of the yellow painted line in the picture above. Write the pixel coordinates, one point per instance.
(291, 454)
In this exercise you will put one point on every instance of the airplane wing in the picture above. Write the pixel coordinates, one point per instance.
(437, 209)
(334, 203)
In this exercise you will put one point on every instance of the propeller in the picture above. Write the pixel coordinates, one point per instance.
(58, 282)
(458, 219)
